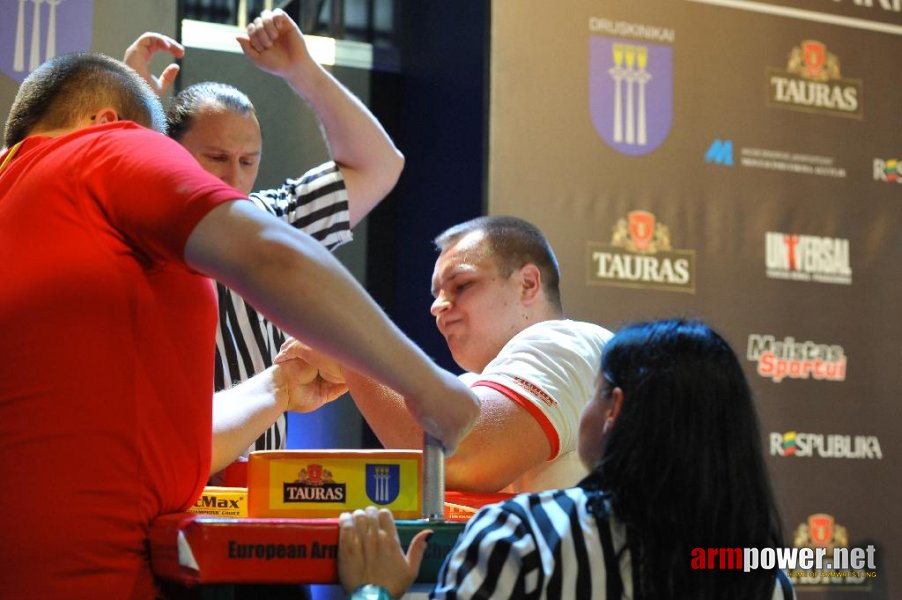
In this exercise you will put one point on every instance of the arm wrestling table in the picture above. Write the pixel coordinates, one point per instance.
(195, 550)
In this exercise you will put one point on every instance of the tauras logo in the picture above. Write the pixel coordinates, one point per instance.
(821, 531)
(812, 82)
(314, 484)
(807, 258)
(779, 359)
(640, 255)
(299, 492)
(830, 445)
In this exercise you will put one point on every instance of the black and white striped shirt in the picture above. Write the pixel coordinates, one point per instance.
(543, 545)
(246, 343)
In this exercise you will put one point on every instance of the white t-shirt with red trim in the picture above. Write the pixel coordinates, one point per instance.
(550, 369)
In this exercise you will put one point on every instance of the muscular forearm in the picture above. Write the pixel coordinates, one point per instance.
(384, 411)
(386, 415)
(369, 160)
(505, 442)
(304, 290)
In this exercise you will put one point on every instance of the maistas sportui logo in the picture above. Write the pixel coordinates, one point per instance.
(793, 359)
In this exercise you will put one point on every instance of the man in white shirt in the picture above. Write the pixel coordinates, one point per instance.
(497, 303)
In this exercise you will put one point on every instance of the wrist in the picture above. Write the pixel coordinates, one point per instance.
(304, 77)
(370, 592)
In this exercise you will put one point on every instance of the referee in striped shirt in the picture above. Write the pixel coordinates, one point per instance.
(217, 124)
(672, 439)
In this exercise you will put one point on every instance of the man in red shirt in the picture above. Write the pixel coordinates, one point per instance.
(107, 232)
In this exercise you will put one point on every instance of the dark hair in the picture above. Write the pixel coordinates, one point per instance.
(683, 463)
(70, 86)
(187, 104)
(513, 243)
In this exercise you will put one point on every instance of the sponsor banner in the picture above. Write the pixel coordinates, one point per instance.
(807, 258)
(787, 358)
(812, 82)
(630, 84)
(325, 483)
(640, 255)
(825, 445)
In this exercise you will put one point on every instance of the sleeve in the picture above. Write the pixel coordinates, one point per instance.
(550, 369)
(151, 190)
(494, 557)
(316, 203)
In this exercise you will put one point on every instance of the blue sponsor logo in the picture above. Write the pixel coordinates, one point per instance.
(630, 93)
(33, 32)
(383, 483)
(720, 152)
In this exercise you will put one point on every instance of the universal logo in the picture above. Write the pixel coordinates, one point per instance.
(812, 82)
(807, 258)
(314, 484)
(640, 255)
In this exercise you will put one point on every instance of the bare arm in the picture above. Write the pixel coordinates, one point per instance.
(242, 413)
(505, 441)
(369, 161)
(304, 290)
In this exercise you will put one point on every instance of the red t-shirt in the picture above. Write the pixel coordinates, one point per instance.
(106, 357)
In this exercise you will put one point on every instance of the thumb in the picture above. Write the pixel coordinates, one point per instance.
(417, 549)
(167, 77)
(246, 46)
(280, 19)
(290, 350)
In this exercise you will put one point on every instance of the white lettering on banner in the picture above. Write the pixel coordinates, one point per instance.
(778, 360)
(814, 94)
(890, 5)
(807, 258)
(634, 267)
(631, 30)
(818, 16)
(807, 445)
(789, 559)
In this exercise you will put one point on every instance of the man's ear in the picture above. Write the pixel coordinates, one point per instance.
(105, 115)
(531, 283)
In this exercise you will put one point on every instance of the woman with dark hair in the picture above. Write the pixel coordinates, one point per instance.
(672, 440)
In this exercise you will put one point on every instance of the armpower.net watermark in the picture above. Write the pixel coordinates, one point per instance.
(838, 563)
